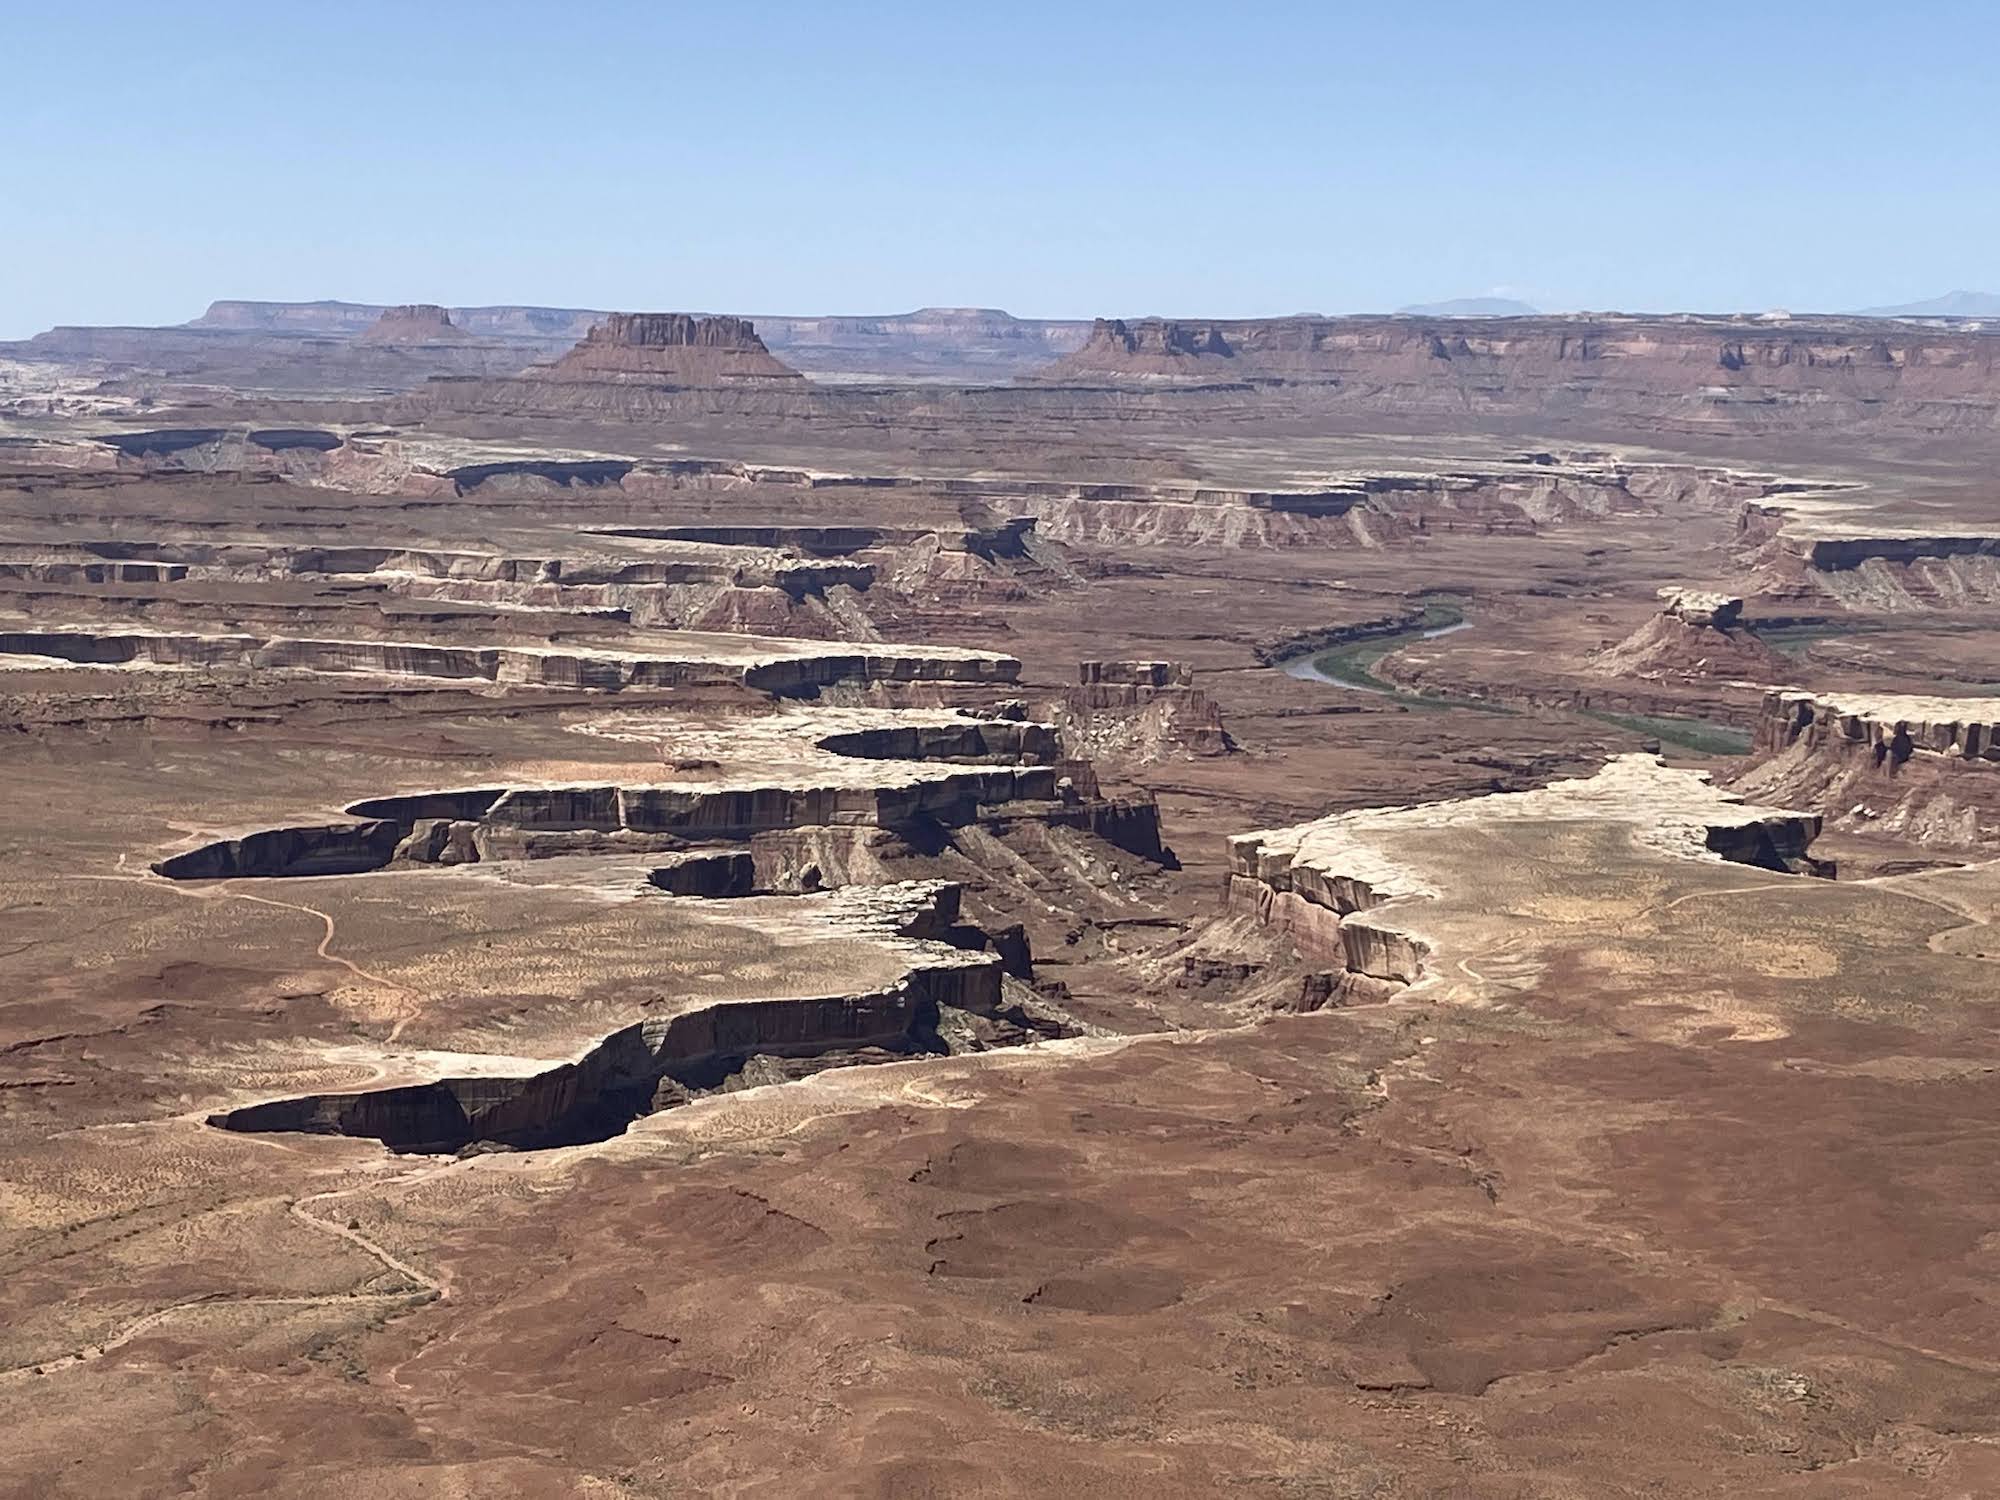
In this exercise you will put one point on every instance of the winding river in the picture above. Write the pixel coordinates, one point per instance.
(1348, 665)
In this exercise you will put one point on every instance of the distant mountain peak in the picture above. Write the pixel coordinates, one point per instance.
(1470, 307)
(1959, 304)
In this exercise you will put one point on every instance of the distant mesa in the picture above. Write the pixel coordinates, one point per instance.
(631, 366)
(676, 349)
(327, 318)
(1191, 340)
(1470, 307)
(414, 323)
(673, 331)
(322, 317)
(1151, 349)
(1684, 372)
(1959, 304)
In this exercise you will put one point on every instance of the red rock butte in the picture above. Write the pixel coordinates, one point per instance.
(674, 349)
(413, 323)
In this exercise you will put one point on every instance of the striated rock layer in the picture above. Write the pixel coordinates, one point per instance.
(658, 1063)
(1925, 769)
(913, 771)
(1821, 373)
(1698, 635)
(785, 667)
(413, 323)
(1140, 712)
(672, 349)
(1350, 889)
(1890, 568)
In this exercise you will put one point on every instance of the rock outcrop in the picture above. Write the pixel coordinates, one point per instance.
(641, 367)
(1922, 769)
(1684, 373)
(525, 821)
(785, 667)
(1703, 608)
(916, 773)
(1351, 889)
(1153, 349)
(1883, 567)
(1139, 712)
(1134, 674)
(1699, 635)
(671, 349)
(662, 1062)
(414, 323)
(737, 589)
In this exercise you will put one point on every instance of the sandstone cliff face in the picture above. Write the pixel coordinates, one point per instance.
(966, 342)
(672, 331)
(914, 771)
(1891, 569)
(782, 667)
(1153, 348)
(738, 590)
(1699, 373)
(662, 1062)
(1139, 712)
(1361, 889)
(1925, 769)
(640, 366)
(672, 349)
(413, 323)
(1698, 635)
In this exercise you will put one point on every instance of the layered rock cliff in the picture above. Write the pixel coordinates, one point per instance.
(1697, 635)
(783, 667)
(1680, 372)
(969, 343)
(633, 366)
(664, 1061)
(1138, 712)
(1885, 565)
(1152, 349)
(414, 323)
(1922, 769)
(1363, 890)
(671, 349)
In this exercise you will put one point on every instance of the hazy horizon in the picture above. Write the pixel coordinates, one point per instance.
(1437, 307)
(1056, 161)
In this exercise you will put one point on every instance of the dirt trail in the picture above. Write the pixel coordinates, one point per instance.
(423, 1287)
(138, 1327)
(221, 891)
(432, 1286)
(324, 951)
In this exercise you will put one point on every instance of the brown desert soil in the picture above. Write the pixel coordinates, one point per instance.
(659, 927)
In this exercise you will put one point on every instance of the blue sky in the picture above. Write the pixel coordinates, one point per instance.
(1054, 159)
